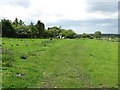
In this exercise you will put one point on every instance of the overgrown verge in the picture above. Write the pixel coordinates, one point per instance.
(7, 57)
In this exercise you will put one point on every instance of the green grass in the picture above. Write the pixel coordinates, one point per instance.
(0, 63)
(69, 63)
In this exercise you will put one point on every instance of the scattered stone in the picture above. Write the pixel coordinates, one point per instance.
(19, 74)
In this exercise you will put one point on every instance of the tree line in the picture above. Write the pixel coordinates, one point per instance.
(18, 29)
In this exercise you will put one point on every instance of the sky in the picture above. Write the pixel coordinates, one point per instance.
(82, 16)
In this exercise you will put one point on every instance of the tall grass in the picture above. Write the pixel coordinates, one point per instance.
(7, 57)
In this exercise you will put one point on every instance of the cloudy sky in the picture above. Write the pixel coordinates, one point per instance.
(79, 15)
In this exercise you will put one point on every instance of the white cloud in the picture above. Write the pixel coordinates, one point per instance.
(52, 11)
(11, 10)
(102, 15)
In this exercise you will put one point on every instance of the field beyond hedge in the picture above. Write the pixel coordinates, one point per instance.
(68, 63)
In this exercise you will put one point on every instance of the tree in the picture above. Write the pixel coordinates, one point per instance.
(21, 22)
(84, 35)
(78, 36)
(54, 31)
(0, 28)
(89, 36)
(19, 29)
(70, 34)
(15, 22)
(112, 36)
(67, 33)
(97, 35)
(40, 27)
(7, 28)
(15, 25)
(33, 30)
(23, 31)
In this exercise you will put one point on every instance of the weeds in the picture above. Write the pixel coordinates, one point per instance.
(7, 57)
(47, 42)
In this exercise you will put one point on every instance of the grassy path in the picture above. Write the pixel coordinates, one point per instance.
(83, 64)
(66, 64)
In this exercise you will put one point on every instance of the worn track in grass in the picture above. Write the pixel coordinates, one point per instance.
(69, 63)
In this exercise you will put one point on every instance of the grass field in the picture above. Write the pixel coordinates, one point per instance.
(68, 63)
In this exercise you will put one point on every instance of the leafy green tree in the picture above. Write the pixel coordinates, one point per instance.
(23, 31)
(112, 36)
(7, 28)
(21, 22)
(71, 34)
(67, 33)
(78, 36)
(97, 35)
(84, 35)
(54, 31)
(16, 22)
(40, 27)
(33, 30)
(46, 34)
(19, 29)
(0, 28)
(89, 36)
